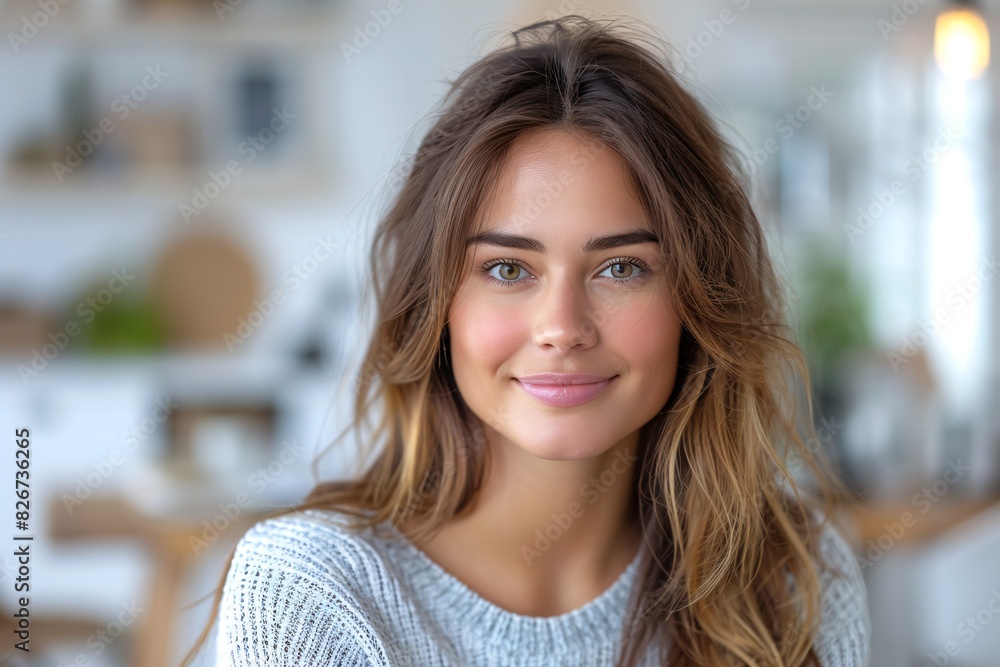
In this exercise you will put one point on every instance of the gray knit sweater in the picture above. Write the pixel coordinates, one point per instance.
(302, 590)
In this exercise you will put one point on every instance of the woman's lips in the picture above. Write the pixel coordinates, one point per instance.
(564, 395)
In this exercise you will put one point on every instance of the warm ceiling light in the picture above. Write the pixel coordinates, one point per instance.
(961, 40)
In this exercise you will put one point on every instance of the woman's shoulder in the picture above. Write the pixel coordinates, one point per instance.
(312, 542)
(299, 589)
(845, 628)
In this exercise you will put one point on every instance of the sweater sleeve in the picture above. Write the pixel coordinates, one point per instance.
(844, 638)
(283, 606)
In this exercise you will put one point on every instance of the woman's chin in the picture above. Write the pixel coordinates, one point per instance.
(561, 449)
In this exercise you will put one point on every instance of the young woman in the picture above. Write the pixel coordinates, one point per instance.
(586, 402)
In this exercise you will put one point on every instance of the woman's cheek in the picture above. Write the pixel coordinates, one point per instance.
(495, 330)
(626, 317)
(486, 331)
(647, 327)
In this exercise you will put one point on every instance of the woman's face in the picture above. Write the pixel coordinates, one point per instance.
(568, 280)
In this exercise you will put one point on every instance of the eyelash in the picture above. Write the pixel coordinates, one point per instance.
(618, 260)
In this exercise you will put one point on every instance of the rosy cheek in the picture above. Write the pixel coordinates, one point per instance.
(647, 329)
(626, 317)
(486, 331)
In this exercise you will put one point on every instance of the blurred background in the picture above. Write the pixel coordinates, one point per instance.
(188, 190)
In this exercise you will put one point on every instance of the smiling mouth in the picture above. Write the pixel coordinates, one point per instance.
(564, 395)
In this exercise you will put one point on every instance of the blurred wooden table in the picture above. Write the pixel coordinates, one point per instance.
(872, 521)
(168, 542)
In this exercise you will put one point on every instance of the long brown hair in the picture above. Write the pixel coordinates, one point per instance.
(730, 567)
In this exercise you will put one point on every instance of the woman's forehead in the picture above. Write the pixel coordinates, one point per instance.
(556, 183)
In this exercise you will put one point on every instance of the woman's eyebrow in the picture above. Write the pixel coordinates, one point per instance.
(506, 240)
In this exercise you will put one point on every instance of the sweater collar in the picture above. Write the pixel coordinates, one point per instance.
(595, 626)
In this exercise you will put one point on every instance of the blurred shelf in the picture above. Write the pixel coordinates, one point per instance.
(191, 377)
(183, 27)
(169, 183)
(907, 525)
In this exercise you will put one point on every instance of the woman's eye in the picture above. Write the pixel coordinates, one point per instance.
(504, 273)
(627, 270)
(622, 270)
(508, 271)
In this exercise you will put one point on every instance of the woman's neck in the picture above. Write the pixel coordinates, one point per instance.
(543, 537)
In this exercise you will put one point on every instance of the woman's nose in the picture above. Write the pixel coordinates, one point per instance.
(564, 318)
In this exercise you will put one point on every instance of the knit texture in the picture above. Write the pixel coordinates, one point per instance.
(303, 590)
